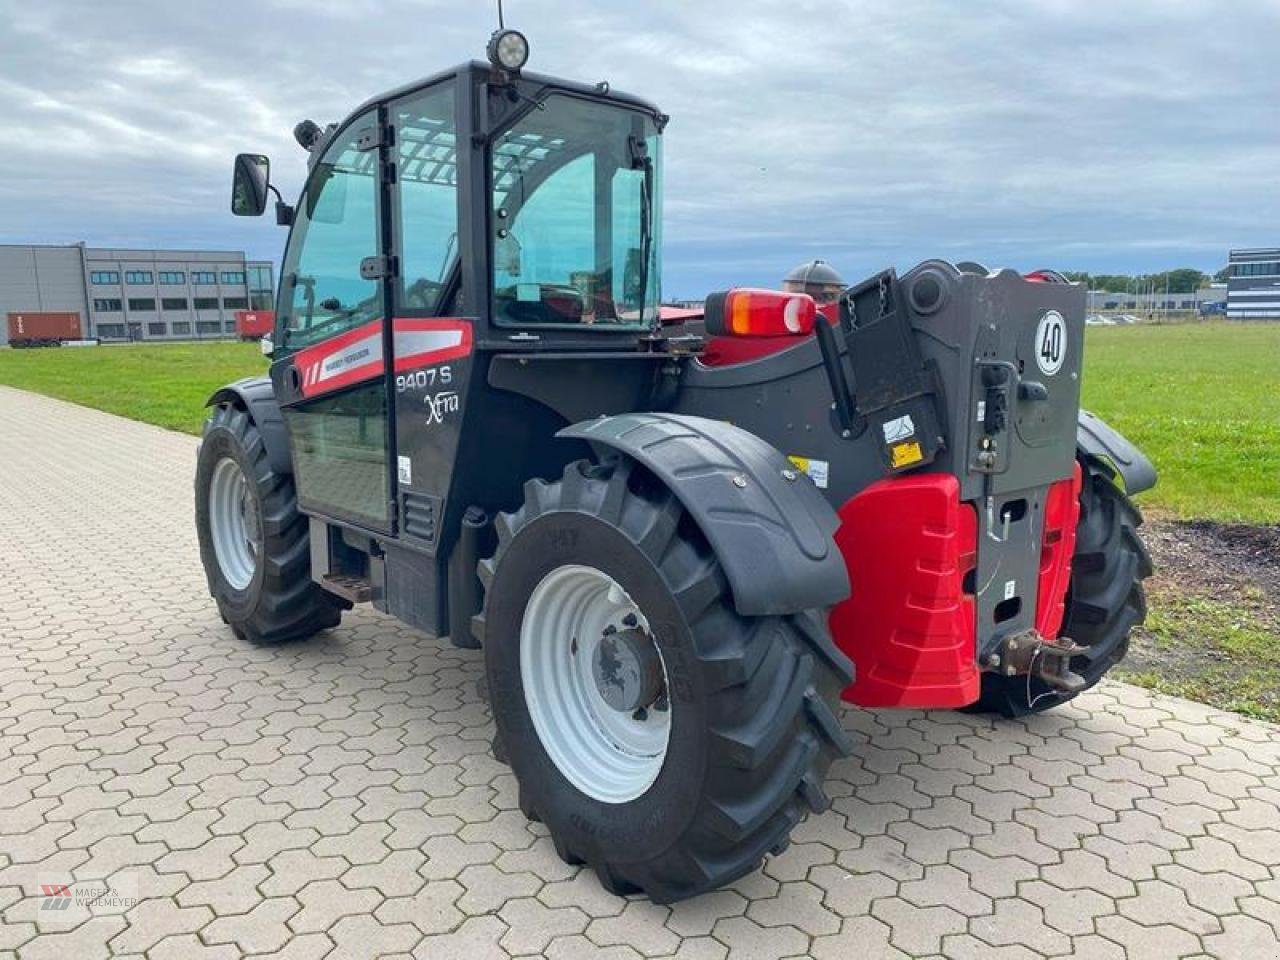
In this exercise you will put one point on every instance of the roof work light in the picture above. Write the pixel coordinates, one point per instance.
(508, 50)
(747, 312)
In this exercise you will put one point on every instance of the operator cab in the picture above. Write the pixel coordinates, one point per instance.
(547, 220)
(443, 226)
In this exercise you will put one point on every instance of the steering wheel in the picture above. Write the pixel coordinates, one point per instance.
(423, 294)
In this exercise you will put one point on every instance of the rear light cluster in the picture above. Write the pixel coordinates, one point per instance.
(746, 312)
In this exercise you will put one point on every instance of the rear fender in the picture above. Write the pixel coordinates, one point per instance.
(772, 531)
(1095, 438)
(256, 396)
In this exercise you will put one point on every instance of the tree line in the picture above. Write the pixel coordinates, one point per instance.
(1181, 280)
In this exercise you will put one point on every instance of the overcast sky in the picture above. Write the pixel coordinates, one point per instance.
(1115, 136)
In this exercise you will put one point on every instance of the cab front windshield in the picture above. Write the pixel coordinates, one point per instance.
(575, 225)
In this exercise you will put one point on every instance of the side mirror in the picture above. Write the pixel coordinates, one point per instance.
(249, 185)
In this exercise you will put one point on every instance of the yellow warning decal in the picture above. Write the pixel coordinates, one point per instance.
(905, 454)
(819, 471)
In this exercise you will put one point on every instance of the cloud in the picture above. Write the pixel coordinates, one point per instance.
(1083, 135)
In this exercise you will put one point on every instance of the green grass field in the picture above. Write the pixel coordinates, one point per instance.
(165, 384)
(1203, 400)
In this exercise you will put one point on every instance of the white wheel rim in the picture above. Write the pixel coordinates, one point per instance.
(233, 524)
(612, 756)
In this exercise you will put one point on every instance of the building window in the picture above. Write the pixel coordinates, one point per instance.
(203, 276)
(208, 326)
(206, 303)
(138, 276)
(106, 306)
(233, 277)
(104, 276)
(235, 303)
(157, 330)
(142, 304)
(229, 326)
(172, 277)
(1255, 269)
(111, 331)
(182, 328)
(261, 287)
(175, 303)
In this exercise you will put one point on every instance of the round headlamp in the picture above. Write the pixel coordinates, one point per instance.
(508, 50)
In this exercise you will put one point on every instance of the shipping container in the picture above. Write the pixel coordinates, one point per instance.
(254, 324)
(34, 329)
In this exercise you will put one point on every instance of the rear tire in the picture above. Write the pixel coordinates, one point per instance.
(1105, 598)
(752, 726)
(262, 586)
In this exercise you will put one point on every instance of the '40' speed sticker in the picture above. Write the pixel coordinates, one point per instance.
(1051, 343)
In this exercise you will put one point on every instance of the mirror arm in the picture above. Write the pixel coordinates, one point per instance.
(284, 212)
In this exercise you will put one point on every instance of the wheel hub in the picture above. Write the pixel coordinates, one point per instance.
(594, 682)
(627, 669)
(234, 524)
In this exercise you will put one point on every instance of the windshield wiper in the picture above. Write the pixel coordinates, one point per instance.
(640, 160)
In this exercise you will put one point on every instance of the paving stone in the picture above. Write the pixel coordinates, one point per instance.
(364, 936)
(1153, 943)
(262, 930)
(476, 939)
(532, 925)
(798, 905)
(860, 938)
(748, 940)
(432, 909)
(324, 902)
(1022, 923)
(699, 916)
(153, 920)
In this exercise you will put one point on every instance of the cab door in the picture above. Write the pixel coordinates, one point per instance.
(432, 331)
(330, 360)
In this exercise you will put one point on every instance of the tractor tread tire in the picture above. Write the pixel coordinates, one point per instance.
(1105, 599)
(771, 686)
(282, 603)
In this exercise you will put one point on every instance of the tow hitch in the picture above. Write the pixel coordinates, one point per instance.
(1048, 660)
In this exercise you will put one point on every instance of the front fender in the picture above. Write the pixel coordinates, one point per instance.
(256, 396)
(770, 528)
(1095, 438)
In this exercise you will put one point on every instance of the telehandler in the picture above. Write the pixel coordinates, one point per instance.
(680, 543)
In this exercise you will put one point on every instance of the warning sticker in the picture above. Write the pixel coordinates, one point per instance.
(404, 469)
(905, 454)
(899, 428)
(819, 471)
(1010, 589)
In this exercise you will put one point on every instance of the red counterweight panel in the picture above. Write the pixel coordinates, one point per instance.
(908, 625)
(1061, 514)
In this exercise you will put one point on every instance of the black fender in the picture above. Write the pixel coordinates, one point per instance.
(256, 396)
(771, 529)
(1095, 438)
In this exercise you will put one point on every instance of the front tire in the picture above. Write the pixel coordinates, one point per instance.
(254, 544)
(1105, 598)
(751, 726)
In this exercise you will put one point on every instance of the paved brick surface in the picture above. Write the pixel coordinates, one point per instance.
(337, 798)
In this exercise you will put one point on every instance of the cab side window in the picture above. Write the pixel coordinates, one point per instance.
(426, 215)
(335, 227)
